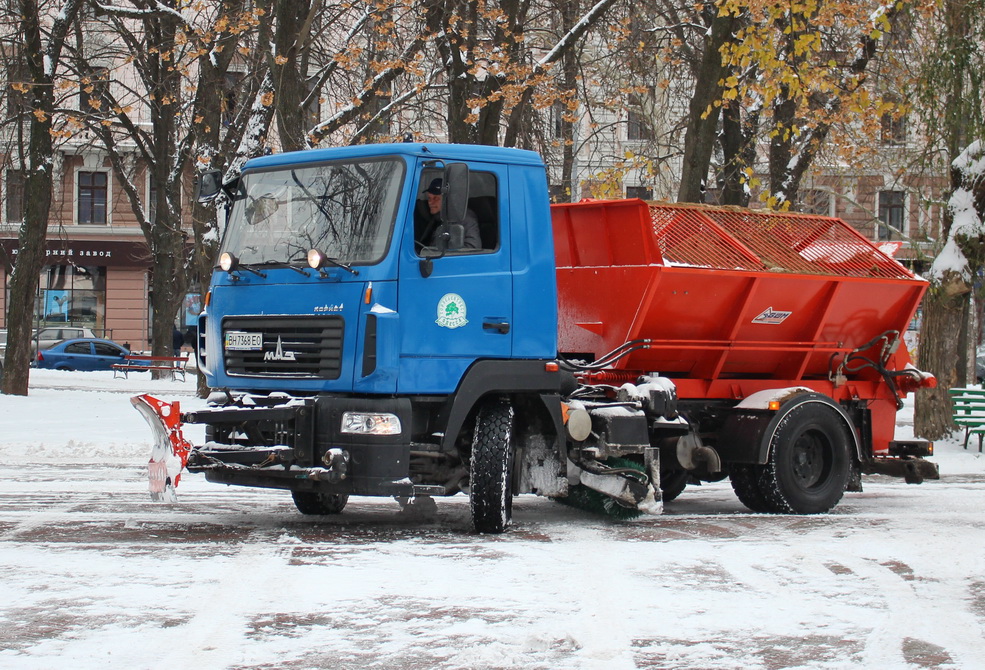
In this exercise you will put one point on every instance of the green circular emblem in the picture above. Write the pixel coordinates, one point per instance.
(451, 311)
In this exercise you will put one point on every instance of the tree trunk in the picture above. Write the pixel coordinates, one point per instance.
(292, 25)
(735, 144)
(702, 118)
(37, 188)
(942, 309)
(27, 270)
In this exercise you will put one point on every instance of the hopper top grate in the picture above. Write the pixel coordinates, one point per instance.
(741, 239)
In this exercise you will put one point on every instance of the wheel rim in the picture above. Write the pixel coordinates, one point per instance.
(811, 458)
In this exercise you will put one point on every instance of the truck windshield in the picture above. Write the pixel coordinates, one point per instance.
(344, 209)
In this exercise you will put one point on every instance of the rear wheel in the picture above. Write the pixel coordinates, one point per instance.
(745, 483)
(316, 502)
(809, 461)
(491, 467)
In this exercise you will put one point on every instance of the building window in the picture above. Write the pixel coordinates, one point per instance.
(891, 219)
(558, 110)
(151, 199)
(93, 192)
(15, 196)
(641, 192)
(18, 90)
(638, 126)
(893, 130)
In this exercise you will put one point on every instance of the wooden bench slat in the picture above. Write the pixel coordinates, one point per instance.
(968, 412)
(175, 364)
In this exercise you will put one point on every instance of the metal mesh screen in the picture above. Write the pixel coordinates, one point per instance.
(740, 239)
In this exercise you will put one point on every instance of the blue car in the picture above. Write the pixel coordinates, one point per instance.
(85, 353)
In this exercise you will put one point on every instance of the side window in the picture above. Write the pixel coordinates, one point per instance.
(103, 349)
(78, 348)
(482, 220)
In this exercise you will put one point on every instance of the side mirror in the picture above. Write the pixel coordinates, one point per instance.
(208, 187)
(452, 237)
(455, 185)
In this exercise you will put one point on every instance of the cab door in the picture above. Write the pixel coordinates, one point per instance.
(462, 311)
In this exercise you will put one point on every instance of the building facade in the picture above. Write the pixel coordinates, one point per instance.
(97, 267)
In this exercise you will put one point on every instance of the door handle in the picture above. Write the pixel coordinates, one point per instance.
(501, 326)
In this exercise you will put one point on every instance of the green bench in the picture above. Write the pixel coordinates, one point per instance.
(969, 412)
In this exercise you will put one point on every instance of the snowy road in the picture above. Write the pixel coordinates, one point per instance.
(96, 576)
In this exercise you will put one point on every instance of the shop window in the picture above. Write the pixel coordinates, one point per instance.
(72, 294)
(93, 191)
(891, 219)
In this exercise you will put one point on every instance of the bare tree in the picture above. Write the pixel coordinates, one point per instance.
(43, 43)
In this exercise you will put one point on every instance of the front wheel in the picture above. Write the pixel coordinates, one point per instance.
(491, 467)
(316, 502)
(809, 461)
(672, 484)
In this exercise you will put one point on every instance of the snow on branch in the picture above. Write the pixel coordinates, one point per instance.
(573, 35)
(965, 205)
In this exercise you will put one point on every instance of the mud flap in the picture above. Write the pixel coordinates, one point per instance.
(170, 451)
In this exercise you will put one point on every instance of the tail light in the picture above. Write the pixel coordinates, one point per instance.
(40, 357)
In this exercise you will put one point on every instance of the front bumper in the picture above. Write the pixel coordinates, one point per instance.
(299, 446)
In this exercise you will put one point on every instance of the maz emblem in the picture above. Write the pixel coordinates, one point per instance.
(279, 354)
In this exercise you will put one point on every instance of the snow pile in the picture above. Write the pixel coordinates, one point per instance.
(85, 417)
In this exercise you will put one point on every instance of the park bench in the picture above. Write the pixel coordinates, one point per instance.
(142, 363)
(968, 411)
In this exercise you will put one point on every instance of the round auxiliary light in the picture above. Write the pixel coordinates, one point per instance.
(227, 261)
(315, 259)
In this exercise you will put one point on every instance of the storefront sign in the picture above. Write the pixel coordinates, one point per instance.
(85, 252)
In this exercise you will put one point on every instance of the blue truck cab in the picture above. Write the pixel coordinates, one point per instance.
(351, 356)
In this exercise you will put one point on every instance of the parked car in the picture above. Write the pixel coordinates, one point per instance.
(87, 353)
(48, 337)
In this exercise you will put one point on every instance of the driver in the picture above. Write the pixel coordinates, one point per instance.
(428, 225)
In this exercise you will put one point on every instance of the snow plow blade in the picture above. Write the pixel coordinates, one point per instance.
(170, 451)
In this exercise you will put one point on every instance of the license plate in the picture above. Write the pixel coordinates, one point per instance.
(240, 341)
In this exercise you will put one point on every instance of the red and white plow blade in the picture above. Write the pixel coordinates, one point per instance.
(170, 451)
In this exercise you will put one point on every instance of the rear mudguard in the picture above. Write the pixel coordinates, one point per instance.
(170, 451)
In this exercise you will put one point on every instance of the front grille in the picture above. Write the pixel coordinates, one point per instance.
(292, 346)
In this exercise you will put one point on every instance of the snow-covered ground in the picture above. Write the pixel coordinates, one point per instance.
(95, 575)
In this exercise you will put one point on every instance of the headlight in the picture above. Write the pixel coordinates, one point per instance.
(227, 261)
(370, 423)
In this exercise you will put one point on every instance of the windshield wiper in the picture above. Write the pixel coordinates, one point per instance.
(286, 264)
